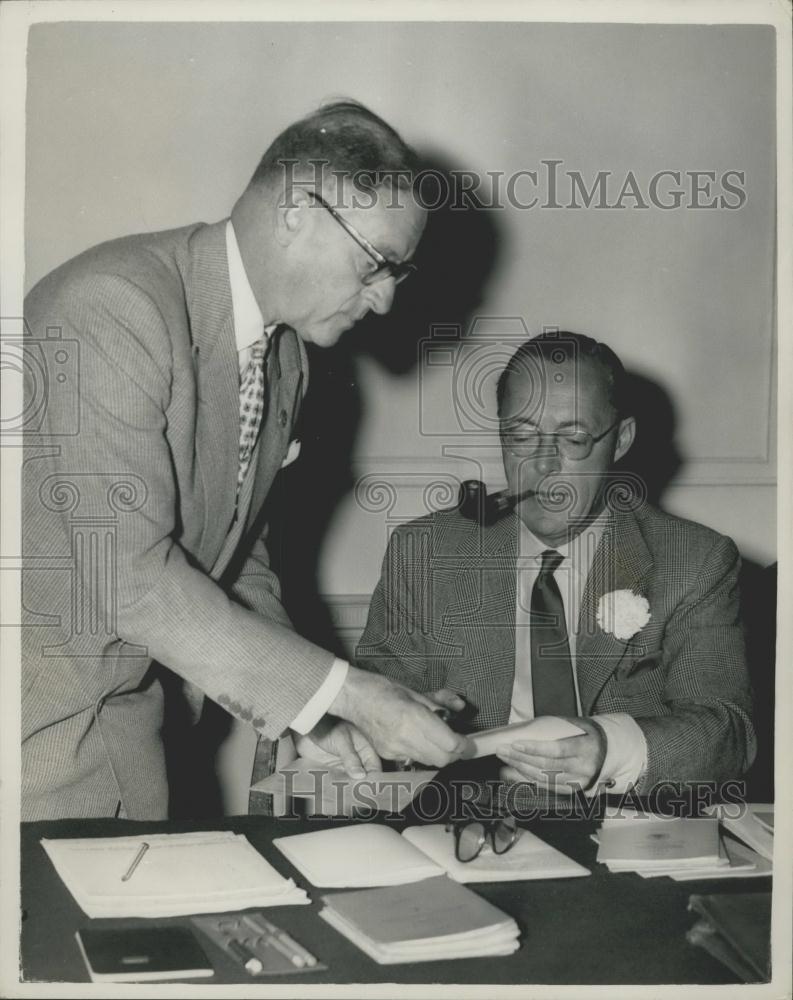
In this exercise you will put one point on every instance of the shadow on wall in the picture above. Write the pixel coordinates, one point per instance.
(455, 258)
(654, 457)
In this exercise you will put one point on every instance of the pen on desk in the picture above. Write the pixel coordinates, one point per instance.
(250, 962)
(288, 941)
(135, 862)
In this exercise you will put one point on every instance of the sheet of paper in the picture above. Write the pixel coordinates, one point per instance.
(332, 792)
(363, 854)
(547, 727)
(529, 858)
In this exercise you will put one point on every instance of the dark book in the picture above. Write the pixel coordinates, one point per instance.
(141, 954)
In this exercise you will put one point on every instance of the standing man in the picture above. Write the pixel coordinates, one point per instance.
(189, 371)
(584, 603)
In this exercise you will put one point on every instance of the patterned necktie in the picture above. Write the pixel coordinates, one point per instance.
(551, 667)
(251, 406)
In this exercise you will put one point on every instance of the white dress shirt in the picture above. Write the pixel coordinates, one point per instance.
(626, 748)
(248, 328)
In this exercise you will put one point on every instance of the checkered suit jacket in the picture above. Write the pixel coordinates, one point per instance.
(131, 549)
(443, 615)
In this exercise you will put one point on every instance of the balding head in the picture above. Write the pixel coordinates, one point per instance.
(342, 141)
(328, 222)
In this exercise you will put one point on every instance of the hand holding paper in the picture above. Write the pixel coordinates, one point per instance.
(563, 755)
(400, 723)
(335, 742)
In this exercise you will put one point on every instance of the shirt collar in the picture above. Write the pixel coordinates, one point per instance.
(578, 553)
(248, 319)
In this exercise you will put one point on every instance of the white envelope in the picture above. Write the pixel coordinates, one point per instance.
(547, 727)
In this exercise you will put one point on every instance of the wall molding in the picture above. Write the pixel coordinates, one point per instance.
(439, 477)
(347, 611)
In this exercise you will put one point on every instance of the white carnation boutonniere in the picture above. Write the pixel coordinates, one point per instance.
(622, 613)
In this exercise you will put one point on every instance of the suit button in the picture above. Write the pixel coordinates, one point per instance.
(282, 418)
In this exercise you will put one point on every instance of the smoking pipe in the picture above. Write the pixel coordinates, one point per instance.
(477, 505)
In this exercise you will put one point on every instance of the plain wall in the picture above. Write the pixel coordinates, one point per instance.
(134, 127)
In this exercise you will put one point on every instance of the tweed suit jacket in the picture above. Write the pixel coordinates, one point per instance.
(443, 615)
(131, 549)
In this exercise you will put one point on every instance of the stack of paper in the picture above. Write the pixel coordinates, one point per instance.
(421, 922)
(752, 823)
(176, 874)
(686, 849)
(645, 843)
(374, 855)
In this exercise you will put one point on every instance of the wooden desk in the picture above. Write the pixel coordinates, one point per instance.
(607, 928)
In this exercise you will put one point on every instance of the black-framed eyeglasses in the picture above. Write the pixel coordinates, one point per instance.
(386, 268)
(470, 837)
(526, 441)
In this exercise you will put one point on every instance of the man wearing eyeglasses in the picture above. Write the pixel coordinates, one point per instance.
(583, 603)
(192, 369)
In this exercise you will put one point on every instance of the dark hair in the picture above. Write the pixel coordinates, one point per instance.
(348, 140)
(559, 346)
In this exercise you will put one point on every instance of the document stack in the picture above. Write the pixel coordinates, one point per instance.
(685, 849)
(421, 922)
(168, 875)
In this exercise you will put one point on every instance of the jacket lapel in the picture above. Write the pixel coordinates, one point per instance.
(501, 576)
(621, 562)
(488, 603)
(217, 377)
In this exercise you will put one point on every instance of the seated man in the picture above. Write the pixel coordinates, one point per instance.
(585, 602)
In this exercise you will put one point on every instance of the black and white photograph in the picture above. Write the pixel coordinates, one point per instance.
(396, 495)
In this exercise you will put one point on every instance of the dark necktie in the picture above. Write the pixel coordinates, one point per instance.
(551, 668)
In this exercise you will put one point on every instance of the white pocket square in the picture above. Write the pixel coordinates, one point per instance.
(292, 453)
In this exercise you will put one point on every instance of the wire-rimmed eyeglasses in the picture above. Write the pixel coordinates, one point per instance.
(526, 441)
(386, 268)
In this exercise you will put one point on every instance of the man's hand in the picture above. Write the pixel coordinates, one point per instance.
(334, 741)
(446, 698)
(398, 722)
(564, 766)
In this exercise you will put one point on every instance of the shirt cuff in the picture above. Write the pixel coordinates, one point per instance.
(626, 753)
(319, 703)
